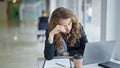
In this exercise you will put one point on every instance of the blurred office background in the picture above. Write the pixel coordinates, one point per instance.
(19, 46)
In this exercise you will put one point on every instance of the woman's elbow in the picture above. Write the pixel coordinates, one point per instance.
(48, 57)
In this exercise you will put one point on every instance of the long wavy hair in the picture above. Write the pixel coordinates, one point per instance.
(64, 13)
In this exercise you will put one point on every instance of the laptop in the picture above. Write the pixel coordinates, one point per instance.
(99, 52)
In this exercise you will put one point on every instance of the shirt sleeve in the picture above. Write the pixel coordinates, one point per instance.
(49, 50)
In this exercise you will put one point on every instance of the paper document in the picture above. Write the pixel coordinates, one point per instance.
(57, 63)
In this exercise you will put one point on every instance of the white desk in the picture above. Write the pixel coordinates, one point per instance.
(41, 61)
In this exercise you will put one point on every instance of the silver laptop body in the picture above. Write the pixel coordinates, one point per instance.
(98, 52)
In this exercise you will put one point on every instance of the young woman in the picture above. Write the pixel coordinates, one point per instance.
(65, 36)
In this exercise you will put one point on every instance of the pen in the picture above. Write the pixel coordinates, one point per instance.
(60, 64)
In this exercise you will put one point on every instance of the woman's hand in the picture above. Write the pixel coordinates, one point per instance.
(66, 53)
(56, 30)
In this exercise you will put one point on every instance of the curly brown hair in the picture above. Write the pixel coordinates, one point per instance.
(64, 13)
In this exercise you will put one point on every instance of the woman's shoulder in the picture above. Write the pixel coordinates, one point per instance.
(81, 28)
(80, 25)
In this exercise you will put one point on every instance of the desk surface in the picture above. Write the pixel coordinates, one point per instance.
(41, 61)
(92, 66)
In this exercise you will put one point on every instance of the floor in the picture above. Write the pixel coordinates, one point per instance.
(19, 47)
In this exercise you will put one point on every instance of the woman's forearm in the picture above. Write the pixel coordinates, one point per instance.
(49, 50)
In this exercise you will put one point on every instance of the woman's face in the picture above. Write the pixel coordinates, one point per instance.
(67, 23)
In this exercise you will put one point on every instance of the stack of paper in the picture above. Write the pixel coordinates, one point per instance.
(57, 63)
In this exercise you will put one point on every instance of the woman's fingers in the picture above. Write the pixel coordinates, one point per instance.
(61, 28)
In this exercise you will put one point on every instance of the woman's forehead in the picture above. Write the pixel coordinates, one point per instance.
(65, 21)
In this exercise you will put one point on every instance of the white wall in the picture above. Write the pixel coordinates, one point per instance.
(96, 13)
(103, 19)
(31, 10)
(110, 23)
(117, 52)
(80, 11)
(108, 20)
(52, 6)
(111, 20)
(74, 5)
